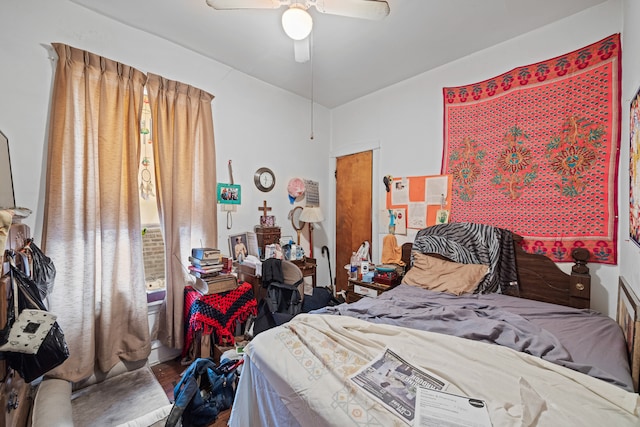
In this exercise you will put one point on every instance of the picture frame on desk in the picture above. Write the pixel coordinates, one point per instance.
(238, 244)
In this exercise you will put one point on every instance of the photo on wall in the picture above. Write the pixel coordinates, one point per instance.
(229, 194)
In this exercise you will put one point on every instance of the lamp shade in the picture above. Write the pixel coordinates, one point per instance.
(311, 214)
(297, 22)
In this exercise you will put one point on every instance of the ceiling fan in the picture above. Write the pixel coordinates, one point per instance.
(297, 22)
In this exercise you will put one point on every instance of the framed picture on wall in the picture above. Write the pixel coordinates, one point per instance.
(628, 317)
(229, 194)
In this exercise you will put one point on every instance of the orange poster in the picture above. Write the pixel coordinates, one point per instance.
(426, 199)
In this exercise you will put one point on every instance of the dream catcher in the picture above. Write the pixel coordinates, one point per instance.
(146, 182)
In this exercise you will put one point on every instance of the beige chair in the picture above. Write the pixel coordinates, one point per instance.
(292, 274)
(275, 308)
(128, 395)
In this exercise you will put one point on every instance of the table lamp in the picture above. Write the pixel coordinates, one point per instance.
(311, 215)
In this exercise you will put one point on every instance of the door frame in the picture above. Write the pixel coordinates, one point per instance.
(376, 184)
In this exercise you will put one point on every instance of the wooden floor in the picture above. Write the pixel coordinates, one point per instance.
(168, 374)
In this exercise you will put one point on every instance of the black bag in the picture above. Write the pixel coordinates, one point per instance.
(53, 351)
(281, 303)
(11, 316)
(321, 297)
(264, 320)
(284, 299)
(43, 271)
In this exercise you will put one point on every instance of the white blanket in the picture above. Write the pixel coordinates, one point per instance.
(307, 362)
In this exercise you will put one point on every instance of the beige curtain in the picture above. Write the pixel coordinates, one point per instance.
(184, 153)
(92, 220)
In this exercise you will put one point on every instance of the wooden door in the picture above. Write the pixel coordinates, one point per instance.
(353, 209)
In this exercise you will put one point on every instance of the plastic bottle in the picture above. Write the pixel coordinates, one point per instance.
(353, 270)
(292, 251)
(364, 268)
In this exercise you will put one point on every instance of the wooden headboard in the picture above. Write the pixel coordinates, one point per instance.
(540, 279)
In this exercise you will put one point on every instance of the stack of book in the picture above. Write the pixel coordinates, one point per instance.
(206, 263)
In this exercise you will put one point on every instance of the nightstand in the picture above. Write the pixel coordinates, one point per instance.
(308, 268)
(358, 289)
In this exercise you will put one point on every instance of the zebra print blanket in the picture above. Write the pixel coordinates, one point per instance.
(468, 243)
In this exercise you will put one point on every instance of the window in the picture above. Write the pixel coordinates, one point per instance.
(152, 240)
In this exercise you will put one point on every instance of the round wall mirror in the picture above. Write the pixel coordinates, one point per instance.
(295, 221)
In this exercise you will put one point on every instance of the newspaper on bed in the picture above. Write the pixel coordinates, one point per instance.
(394, 382)
(436, 408)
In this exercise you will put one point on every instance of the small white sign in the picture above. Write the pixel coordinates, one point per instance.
(361, 290)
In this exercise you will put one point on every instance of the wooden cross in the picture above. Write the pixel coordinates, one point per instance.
(264, 208)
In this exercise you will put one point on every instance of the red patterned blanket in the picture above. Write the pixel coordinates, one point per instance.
(217, 313)
(535, 151)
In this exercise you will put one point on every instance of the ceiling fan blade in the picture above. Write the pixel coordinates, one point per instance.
(365, 9)
(246, 4)
(301, 50)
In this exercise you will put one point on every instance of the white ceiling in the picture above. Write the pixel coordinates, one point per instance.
(351, 57)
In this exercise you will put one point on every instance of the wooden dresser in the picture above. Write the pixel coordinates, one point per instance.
(15, 394)
(266, 236)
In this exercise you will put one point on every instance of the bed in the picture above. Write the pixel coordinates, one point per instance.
(530, 348)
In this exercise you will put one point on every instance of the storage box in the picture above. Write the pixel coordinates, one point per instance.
(219, 350)
(390, 278)
(267, 221)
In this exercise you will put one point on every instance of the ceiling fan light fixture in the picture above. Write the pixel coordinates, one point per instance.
(297, 22)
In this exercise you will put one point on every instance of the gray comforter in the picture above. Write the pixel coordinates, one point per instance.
(582, 340)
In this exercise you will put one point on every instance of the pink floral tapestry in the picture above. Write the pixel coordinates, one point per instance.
(535, 150)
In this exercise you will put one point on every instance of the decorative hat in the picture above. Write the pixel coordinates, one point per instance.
(295, 188)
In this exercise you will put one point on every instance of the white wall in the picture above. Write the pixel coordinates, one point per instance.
(258, 125)
(255, 124)
(629, 251)
(407, 118)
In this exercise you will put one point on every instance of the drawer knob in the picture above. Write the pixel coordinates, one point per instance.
(580, 286)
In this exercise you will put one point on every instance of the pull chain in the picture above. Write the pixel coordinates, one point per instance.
(229, 218)
(311, 57)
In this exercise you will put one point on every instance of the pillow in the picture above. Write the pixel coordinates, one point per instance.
(432, 273)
